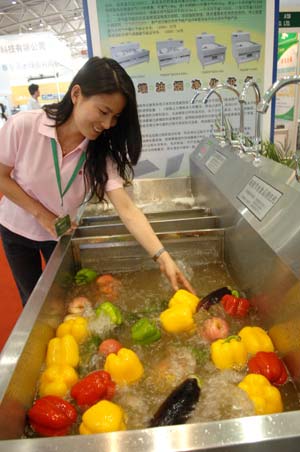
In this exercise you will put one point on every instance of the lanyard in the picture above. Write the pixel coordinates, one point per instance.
(57, 171)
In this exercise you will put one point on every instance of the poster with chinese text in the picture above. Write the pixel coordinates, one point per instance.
(171, 49)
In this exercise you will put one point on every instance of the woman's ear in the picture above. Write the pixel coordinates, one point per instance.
(75, 93)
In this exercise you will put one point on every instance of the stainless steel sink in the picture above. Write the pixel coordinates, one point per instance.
(225, 237)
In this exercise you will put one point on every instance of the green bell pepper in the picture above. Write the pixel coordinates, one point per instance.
(145, 331)
(111, 310)
(85, 276)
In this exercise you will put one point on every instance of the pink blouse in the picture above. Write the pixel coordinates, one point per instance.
(25, 145)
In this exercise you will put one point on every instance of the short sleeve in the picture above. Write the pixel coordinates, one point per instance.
(114, 179)
(9, 142)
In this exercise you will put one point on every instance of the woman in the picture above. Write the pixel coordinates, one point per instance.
(50, 159)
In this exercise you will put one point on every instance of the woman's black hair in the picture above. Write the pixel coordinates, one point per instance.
(3, 115)
(123, 142)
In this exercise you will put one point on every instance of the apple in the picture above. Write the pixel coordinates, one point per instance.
(78, 305)
(214, 328)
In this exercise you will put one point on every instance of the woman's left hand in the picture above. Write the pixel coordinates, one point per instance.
(172, 272)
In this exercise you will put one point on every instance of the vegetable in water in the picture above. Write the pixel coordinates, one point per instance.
(124, 366)
(63, 350)
(52, 416)
(213, 298)
(109, 346)
(256, 340)
(178, 406)
(183, 297)
(270, 366)
(178, 319)
(85, 276)
(103, 417)
(56, 380)
(145, 332)
(235, 306)
(109, 286)
(200, 354)
(111, 311)
(92, 388)
(77, 327)
(228, 353)
(265, 397)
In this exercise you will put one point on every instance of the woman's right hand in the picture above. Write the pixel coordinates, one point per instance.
(47, 220)
(170, 269)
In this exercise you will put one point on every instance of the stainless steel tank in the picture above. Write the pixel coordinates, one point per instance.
(262, 256)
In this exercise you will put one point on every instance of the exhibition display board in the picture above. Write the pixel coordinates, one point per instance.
(171, 49)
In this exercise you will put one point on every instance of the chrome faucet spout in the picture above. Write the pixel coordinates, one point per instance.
(251, 83)
(236, 92)
(210, 91)
(263, 106)
(205, 100)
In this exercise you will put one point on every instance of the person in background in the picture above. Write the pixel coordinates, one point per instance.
(33, 103)
(3, 117)
(51, 159)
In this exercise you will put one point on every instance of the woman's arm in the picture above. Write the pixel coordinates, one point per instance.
(12, 191)
(138, 225)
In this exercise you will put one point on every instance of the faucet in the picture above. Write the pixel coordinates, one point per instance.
(230, 85)
(249, 82)
(222, 132)
(264, 104)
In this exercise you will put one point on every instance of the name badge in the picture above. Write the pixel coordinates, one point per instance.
(62, 225)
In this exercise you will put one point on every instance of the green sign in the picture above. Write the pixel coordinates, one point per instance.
(289, 19)
(285, 41)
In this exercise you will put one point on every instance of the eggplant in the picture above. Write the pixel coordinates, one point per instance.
(213, 298)
(178, 406)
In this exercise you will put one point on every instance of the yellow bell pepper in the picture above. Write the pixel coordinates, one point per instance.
(77, 327)
(102, 417)
(63, 350)
(256, 340)
(183, 297)
(265, 397)
(177, 319)
(229, 352)
(285, 336)
(124, 367)
(57, 380)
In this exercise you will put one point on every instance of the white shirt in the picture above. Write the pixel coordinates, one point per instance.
(33, 104)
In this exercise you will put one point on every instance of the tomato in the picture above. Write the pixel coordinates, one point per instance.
(109, 346)
(109, 286)
(103, 280)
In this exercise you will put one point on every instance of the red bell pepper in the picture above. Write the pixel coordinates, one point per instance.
(52, 416)
(270, 366)
(96, 386)
(235, 306)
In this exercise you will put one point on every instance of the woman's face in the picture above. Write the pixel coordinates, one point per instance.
(92, 115)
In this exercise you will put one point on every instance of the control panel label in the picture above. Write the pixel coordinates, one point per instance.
(215, 162)
(259, 197)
